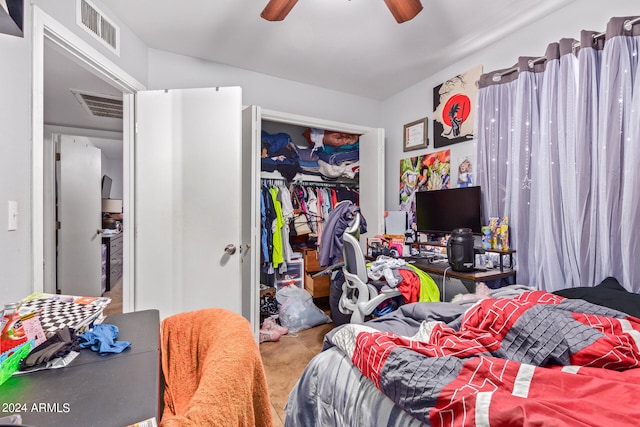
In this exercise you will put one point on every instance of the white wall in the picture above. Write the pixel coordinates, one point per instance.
(417, 101)
(15, 137)
(15, 171)
(171, 71)
(133, 52)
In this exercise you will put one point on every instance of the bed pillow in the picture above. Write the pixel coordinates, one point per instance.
(608, 293)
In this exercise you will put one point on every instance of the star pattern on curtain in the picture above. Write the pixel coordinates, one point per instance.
(571, 125)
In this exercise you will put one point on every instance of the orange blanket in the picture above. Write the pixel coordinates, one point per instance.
(213, 371)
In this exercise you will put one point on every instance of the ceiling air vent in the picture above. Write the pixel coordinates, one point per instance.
(97, 24)
(99, 105)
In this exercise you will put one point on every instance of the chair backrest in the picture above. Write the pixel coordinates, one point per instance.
(354, 261)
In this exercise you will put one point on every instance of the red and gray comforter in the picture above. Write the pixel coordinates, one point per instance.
(536, 359)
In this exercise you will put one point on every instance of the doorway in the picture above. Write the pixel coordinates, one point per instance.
(77, 121)
(48, 30)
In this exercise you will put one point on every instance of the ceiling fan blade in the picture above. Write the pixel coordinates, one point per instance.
(404, 10)
(277, 10)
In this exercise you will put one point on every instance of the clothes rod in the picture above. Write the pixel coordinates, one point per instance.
(327, 184)
(279, 181)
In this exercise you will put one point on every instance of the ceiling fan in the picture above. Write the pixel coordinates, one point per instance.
(402, 10)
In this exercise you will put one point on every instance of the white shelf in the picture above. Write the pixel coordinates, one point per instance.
(301, 177)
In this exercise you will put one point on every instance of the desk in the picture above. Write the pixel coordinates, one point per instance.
(477, 250)
(115, 390)
(468, 278)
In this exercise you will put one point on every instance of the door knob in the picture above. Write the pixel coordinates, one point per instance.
(99, 231)
(230, 249)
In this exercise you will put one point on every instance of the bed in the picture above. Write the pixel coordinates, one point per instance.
(519, 357)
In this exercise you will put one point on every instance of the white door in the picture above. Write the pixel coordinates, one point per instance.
(188, 195)
(372, 183)
(78, 177)
(251, 215)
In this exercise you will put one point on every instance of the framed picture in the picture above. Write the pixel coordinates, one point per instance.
(415, 135)
(455, 103)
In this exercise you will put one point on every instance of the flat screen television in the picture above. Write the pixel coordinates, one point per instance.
(442, 211)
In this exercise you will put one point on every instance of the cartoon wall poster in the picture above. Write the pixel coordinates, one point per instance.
(454, 108)
(463, 165)
(436, 168)
(411, 180)
(465, 173)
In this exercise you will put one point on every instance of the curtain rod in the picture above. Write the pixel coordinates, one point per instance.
(595, 37)
(498, 76)
(628, 25)
(575, 45)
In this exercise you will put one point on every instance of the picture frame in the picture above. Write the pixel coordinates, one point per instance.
(415, 135)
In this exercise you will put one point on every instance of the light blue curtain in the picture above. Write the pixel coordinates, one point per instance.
(590, 58)
(558, 144)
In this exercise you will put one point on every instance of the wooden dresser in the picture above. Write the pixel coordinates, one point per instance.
(114, 258)
(320, 286)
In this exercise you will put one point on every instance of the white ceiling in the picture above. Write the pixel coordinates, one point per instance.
(352, 46)
(61, 108)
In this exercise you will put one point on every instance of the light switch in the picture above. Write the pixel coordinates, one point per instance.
(13, 215)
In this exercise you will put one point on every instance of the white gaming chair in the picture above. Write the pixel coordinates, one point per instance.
(358, 298)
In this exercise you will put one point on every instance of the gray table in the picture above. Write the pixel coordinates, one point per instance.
(115, 390)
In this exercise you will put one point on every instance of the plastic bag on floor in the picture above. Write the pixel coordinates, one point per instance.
(297, 310)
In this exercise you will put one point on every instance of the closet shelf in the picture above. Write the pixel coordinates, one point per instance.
(299, 178)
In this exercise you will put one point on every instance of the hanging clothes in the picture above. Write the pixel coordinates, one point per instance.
(321, 216)
(338, 221)
(312, 209)
(276, 229)
(265, 253)
(278, 204)
(284, 197)
(270, 217)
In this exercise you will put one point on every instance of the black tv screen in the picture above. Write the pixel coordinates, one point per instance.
(442, 211)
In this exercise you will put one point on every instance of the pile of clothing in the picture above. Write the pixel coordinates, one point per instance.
(329, 154)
